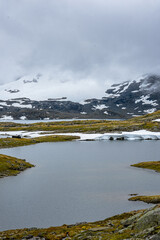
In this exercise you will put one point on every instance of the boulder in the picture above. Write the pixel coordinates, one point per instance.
(148, 220)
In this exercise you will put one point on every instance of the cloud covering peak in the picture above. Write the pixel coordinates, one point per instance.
(106, 41)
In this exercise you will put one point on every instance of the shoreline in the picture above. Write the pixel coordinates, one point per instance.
(138, 224)
(120, 226)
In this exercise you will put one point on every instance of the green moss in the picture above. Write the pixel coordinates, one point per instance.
(16, 142)
(11, 166)
(153, 165)
(148, 199)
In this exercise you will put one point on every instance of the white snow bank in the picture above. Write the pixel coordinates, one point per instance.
(4, 117)
(156, 120)
(83, 136)
(21, 105)
(24, 134)
(23, 117)
(135, 135)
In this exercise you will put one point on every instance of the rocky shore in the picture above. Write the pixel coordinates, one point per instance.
(141, 224)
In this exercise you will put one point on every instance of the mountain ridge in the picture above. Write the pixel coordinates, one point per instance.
(123, 100)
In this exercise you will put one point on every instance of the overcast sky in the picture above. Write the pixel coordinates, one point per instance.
(99, 41)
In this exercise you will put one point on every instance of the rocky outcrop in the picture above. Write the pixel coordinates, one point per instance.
(149, 219)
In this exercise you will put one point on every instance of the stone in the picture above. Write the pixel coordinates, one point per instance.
(98, 229)
(148, 220)
(130, 220)
(154, 237)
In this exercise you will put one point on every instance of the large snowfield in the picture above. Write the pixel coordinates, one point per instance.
(135, 135)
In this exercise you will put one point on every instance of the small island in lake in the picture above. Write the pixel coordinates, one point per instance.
(11, 166)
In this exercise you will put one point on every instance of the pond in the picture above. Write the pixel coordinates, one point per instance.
(76, 182)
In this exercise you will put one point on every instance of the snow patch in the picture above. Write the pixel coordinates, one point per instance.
(135, 135)
(5, 117)
(83, 113)
(144, 100)
(100, 107)
(156, 120)
(118, 105)
(105, 112)
(21, 106)
(150, 110)
(84, 102)
(23, 117)
(25, 134)
(135, 91)
(3, 104)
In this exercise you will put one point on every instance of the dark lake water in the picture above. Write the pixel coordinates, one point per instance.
(76, 181)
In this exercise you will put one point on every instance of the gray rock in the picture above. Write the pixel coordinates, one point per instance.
(98, 229)
(148, 220)
(145, 233)
(130, 220)
(154, 237)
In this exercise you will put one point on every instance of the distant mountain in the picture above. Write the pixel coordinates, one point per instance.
(136, 97)
(32, 98)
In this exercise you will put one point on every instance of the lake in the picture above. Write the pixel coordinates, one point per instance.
(53, 120)
(76, 181)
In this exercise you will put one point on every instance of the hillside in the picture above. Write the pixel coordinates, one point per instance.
(33, 97)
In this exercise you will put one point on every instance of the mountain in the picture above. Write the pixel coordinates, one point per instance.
(32, 98)
(136, 97)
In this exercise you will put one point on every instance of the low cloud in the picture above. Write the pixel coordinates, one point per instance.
(90, 41)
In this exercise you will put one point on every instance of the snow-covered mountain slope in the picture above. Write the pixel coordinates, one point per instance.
(36, 87)
(50, 85)
(131, 98)
(138, 96)
(33, 98)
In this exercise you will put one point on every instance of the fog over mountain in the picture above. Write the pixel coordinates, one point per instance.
(88, 44)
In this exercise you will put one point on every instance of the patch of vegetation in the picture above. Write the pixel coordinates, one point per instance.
(153, 165)
(11, 166)
(89, 126)
(148, 199)
(16, 142)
